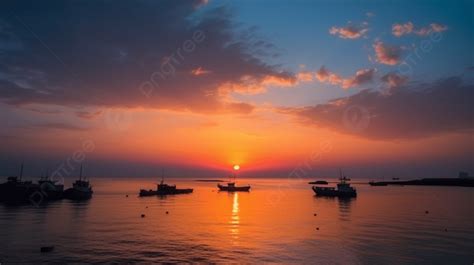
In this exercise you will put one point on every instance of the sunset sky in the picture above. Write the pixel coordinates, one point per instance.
(130, 87)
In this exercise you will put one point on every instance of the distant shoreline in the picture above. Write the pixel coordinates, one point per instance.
(209, 180)
(460, 182)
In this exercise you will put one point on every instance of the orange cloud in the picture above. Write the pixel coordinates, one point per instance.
(251, 85)
(362, 76)
(399, 30)
(402, 29)
(305, 76)
(349, 31)
(386, 54)
(325, 76)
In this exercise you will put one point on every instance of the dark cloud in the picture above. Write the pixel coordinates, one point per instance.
(408, 112)
(56, 126)
(126, 54)
(88, 115)
(394, 80)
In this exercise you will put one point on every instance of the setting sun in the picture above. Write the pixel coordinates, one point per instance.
(236, 167)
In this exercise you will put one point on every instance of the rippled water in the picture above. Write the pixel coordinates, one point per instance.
(278, 221)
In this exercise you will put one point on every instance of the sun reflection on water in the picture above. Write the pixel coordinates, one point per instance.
(235, 220)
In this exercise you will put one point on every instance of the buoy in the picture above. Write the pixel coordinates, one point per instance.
(143, 215)
(47, 249)
(126, 195)
(427, 212)
(315, 214)
(446, 230)
(146, 207)
(317, 228)
(167, 212)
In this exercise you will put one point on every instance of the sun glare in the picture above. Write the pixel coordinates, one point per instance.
(236, 167)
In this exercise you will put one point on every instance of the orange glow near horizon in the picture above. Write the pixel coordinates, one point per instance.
(264, 141)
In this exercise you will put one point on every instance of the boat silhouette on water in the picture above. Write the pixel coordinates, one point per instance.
(343, 190)
(163, 189)
(81, 190)
(230, 187)
(15, 190)
(50, 188)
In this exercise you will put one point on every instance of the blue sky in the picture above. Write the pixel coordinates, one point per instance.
(300, 32)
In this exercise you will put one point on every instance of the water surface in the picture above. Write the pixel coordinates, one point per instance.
(278, 221)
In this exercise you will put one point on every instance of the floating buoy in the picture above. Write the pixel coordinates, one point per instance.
(126, 195)
(146, 207)
(427, 212)
(446, 230)
(143, 215)
(47, 249)
(317, 228)
(167, 212)
(315, 214)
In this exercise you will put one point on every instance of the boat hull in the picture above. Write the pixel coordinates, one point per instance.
(233, 189)
(328, 192)
(77, 195)
(148, 193)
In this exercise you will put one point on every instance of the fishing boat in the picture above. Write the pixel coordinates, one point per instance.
(51, 188)
(16, 190)
(377, 183)
(81, 189)
(230, 187)
(163, 189)
(343, 190)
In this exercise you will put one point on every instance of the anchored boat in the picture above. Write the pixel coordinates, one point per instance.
(164, 189)
(230, 187)
(343, 189)
(51, 188)
(81, 189)
(16, 190)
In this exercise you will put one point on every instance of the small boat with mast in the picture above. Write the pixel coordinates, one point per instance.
(231, 187)
(81, 189)
(163, 189)
(344, 189)
(16, 190)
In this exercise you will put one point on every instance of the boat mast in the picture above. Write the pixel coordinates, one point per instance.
(80, 173)
(162, 175)
(21, 171)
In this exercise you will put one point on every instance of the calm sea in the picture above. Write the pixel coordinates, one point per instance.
(278, 221)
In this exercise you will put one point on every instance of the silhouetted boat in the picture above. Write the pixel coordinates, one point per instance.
(232, 188)
(320, 182)
(51, 189)
(375, 183)
(343, 190)
(81, 189)
(164, 189)
(15, 190)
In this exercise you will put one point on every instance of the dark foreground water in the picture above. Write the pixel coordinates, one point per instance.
(278, 221)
